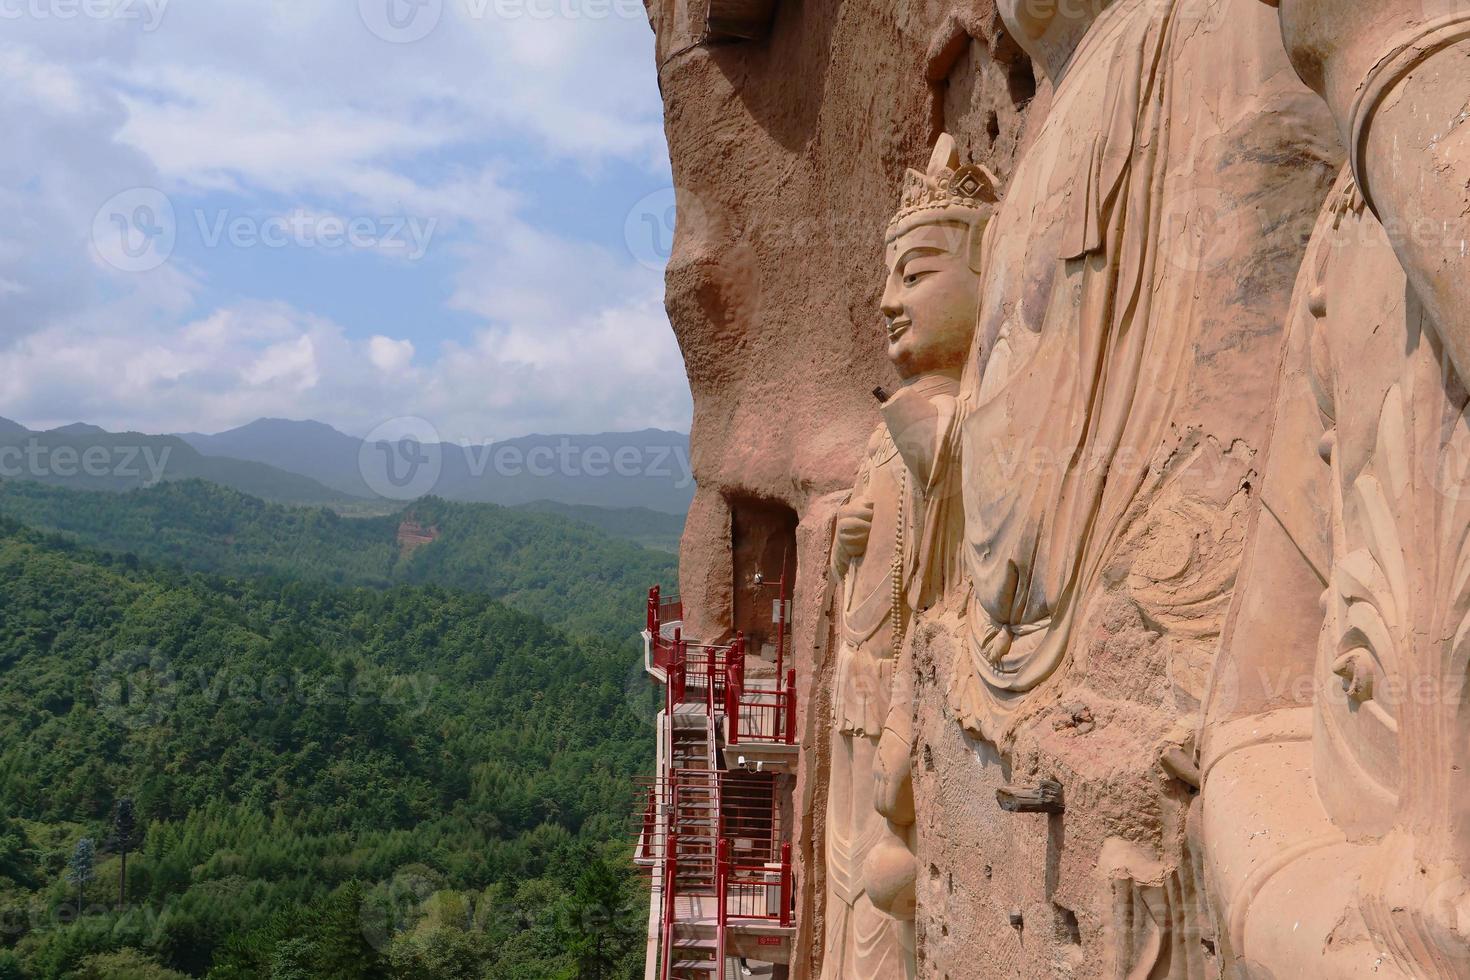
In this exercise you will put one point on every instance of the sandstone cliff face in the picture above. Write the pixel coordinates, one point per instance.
(1133, 300)
(785, 153)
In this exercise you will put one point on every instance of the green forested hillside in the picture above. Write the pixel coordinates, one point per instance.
(556, 568)
(330, 782)
(649, 528)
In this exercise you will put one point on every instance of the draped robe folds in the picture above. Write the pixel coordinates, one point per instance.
(912, 478)
(1126, 226)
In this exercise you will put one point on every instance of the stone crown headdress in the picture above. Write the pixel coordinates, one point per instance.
(949, 191)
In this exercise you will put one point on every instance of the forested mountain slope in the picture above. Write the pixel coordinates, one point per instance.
(553, 566)
(330, 782)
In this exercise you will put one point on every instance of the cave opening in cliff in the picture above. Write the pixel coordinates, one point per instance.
(763, 548)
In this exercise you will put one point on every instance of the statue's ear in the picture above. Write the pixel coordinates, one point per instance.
(975, 244)
(946, 155)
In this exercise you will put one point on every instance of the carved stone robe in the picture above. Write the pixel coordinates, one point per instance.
(1116, 307)
(912, 479)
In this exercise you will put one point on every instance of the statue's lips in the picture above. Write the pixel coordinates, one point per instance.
(897, 330)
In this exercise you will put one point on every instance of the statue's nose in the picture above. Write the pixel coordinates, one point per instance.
(889, 304)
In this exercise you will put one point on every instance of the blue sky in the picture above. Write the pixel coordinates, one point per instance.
(349, 210)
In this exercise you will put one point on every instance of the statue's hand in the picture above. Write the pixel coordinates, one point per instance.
(893, 784)
(854, 525)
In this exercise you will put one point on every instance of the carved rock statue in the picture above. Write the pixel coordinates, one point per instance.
(1123, 257)
(1133, 297)
(1336, 810)
(896, 553)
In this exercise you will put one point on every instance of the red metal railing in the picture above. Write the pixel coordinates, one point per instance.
(646, 840)
(706, 831)
(661, 612)
(722, 910)
(697, 671)
(781, 617)
(738, 860)
(671, 872)
(755, 891)
(663, 609)
(760, 714)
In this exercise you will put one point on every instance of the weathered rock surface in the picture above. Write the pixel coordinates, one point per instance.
(784, 153)
(1137, 327)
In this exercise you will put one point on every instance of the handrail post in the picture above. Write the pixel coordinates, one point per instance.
(722, 883)
(786, 885)
(790, 733)
(709, 690)
(653, 599)
(671, 872)
(781, 625)
(733, 694)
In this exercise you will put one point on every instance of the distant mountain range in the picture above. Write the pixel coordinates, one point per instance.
(84, 457)
(648, 469)
(309, 462)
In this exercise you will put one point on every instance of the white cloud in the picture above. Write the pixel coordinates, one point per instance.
(296, 109)
(390, 356)
(272, 360)
(290, 364)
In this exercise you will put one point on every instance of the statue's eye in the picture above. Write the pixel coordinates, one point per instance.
(911, 279)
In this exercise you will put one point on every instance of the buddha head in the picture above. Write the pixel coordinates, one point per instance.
(931, 297)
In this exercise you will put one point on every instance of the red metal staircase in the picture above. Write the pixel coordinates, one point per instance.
(711, 836)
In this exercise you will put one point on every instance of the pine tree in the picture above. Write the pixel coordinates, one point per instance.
(590, 926)
(341, 951)
(82, 869)
(124, 838)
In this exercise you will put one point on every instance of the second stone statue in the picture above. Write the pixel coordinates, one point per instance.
(896, 554)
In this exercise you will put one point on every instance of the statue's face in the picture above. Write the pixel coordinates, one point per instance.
(932, 298)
